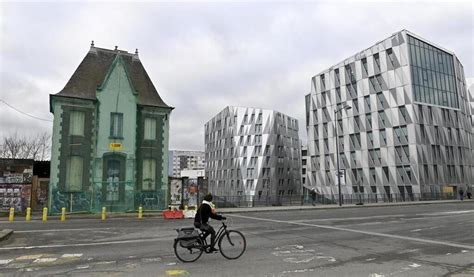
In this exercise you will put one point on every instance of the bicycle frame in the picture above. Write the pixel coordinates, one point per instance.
(219, 234)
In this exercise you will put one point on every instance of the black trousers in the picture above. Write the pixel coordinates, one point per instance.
(207, 229)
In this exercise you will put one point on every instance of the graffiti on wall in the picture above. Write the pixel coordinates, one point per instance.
(16, 196)
(17, 178)
(72, 201)
(42, 194)
(175, 192)
(190, 192)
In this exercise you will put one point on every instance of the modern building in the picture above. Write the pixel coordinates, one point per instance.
(407, 131)
(193, 173)
(304, 164)
(110, 137)
(252, 154)
(185, 160)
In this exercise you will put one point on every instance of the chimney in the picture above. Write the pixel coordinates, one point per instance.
(135, 56)
(93, 49)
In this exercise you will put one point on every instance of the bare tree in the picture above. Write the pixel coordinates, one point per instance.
(36, 147)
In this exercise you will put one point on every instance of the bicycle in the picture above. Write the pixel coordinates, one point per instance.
(191, 243)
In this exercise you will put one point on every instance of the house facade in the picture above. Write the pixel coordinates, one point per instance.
(110, 137)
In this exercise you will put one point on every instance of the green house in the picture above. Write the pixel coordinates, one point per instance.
(110, 137)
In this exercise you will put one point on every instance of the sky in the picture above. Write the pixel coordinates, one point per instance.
(204, 56)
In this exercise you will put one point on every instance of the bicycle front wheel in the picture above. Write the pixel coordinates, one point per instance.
(232, 244)
(188, 251)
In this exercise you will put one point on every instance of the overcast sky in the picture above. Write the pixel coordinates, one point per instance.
(205, 56)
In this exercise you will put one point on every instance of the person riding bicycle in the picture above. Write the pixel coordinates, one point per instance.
(201, 220)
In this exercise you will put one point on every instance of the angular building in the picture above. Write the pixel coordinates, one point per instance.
(110, 137)
(185, 160)
(252, 155)
(407, 131)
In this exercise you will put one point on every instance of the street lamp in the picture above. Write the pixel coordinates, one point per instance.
(336, 112)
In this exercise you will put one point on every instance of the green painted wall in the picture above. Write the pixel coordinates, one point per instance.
(116, 95)
(56, 135)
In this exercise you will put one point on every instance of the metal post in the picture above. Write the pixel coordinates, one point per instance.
(345, 107)
(337, 160)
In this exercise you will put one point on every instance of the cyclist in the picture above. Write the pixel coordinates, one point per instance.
(201, 220)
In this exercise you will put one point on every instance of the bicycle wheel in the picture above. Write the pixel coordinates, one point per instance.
(232, 244)
(188, 251)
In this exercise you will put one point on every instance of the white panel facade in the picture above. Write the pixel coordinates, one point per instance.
(252, 154)
(408, 130)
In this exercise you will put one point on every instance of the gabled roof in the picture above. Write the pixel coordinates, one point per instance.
(92, 71)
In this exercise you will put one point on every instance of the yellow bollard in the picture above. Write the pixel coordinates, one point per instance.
(140, 212)
(45, 214)
(11, 217)
(104, 215)
(63, 214)
(28, 214)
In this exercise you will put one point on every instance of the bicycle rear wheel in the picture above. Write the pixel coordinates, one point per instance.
(232, 244)
(188, 252)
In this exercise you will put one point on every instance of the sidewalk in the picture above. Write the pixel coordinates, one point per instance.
(158, 214)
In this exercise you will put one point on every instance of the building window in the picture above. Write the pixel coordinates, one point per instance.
(74, 173)
(150, 129)
(432, 74)
(116, 125)
(337, 79)
(391, 57)
(149, 174)
(377, 62)
(76, 123)
(364, 65)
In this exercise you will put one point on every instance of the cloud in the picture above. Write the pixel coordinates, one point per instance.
(203, 57)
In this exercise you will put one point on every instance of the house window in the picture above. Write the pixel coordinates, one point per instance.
(149, 174)
(76, 123)
(150, 129)
(74, 172)
(116, 125)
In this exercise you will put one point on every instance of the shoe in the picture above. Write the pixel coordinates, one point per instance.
(212, 249)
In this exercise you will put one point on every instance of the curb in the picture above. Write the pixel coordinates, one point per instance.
(325, 207)
(5, 233)
(158, 214)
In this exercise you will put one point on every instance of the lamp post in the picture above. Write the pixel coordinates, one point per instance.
(336, 112)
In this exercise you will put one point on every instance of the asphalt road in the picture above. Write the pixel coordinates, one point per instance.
(416, 240)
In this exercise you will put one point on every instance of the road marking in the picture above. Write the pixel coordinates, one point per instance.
(361, 232)
(29, 257)
(60, 230)
(448, 213)
(177, 272)
(351, 218)
(45, 260)
(84, 244)
(4, 262)
(72, 255)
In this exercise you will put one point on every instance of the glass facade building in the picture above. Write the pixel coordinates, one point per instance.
(432, 73)
(408, 131)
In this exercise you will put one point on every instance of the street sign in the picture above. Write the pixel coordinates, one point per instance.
(342, 174)
(115, 146)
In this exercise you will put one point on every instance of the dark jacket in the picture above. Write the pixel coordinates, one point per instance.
(203, 214)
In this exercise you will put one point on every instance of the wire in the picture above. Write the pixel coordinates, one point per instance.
(32, 116)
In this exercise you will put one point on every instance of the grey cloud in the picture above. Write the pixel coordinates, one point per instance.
(205, 56)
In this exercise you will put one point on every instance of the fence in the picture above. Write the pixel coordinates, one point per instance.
(115, 196)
